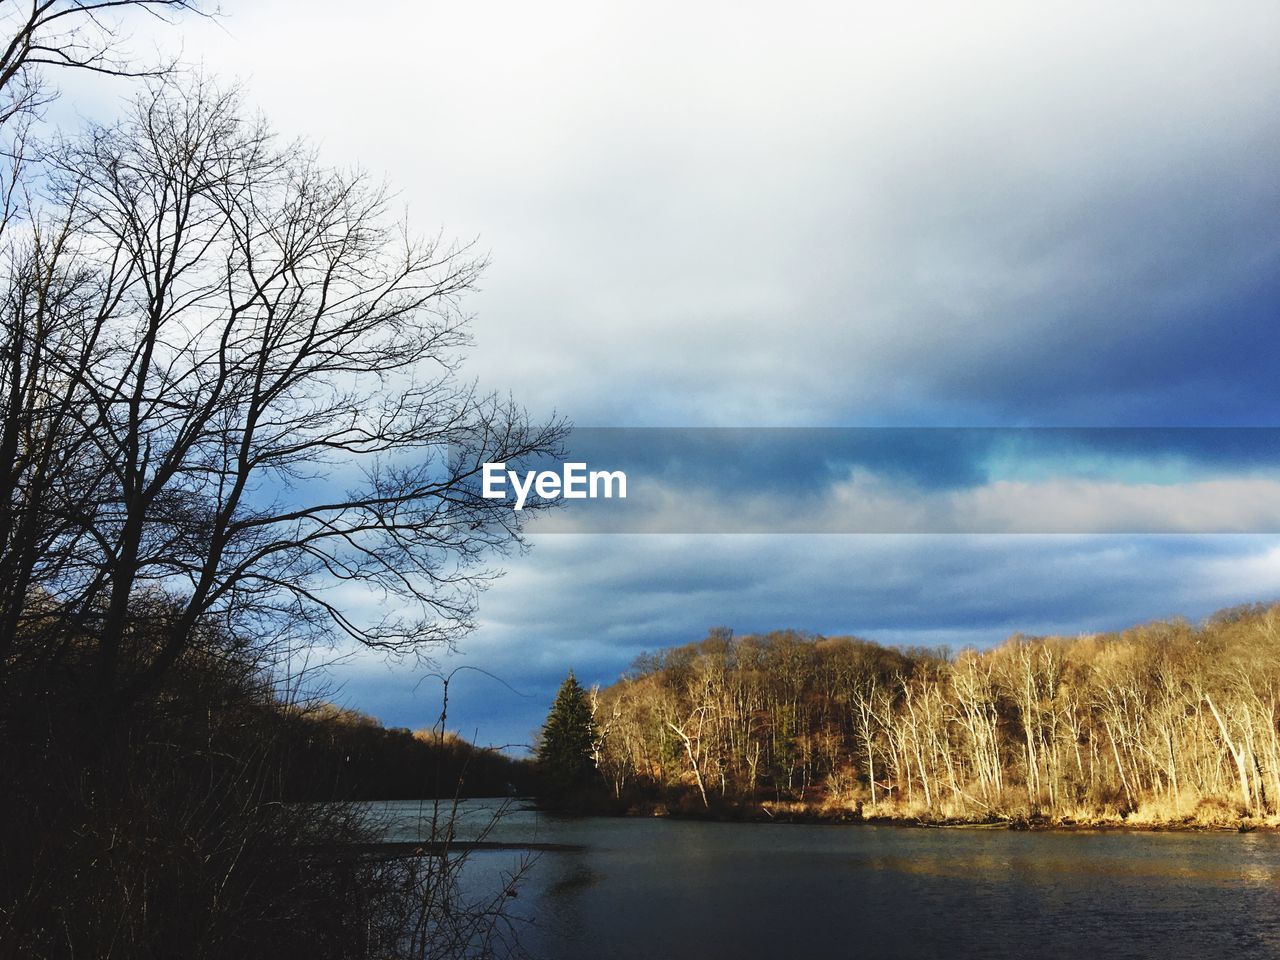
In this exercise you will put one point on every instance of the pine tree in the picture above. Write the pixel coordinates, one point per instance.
(565, 755)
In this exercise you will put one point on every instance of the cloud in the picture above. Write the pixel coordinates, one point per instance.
(703, 214)
(931, 480)
(594, 603)
(727, 214)
(867, 503)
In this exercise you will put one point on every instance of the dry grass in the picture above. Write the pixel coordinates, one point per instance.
(1188, 812)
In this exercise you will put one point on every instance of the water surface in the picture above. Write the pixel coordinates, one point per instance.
(654, 889)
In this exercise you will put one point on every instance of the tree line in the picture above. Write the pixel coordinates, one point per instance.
(1163, 721)
(326, 752)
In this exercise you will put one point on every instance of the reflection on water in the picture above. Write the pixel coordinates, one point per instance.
(657, 889)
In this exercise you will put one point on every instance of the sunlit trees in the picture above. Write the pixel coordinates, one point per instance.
(1163, 721)
(976, 709)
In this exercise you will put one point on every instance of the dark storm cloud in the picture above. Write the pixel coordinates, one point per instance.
(788, 460)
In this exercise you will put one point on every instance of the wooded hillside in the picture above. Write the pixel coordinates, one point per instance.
(1167, 721)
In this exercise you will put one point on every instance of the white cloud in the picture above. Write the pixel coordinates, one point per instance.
(731, 214)
(870, 502)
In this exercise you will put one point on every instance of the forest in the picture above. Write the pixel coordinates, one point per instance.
(1165, 723)
(327, 752)
(234, 435)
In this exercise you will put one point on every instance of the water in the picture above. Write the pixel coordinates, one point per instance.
(653, 889)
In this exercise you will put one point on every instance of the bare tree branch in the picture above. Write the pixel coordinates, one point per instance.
(269, 404)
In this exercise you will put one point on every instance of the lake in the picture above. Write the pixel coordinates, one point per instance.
(655, 889)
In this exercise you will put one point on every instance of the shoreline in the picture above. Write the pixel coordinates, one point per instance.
(1015, 825)
(818, 816)
(825, 815)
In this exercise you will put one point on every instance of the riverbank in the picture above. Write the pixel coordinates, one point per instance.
(1205, 817)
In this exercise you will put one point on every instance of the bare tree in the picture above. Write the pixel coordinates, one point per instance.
(47, 296)
(80, 34)
(47, 470)
(265, 398)
(52, 35)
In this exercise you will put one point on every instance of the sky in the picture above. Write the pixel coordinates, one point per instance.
(735, 215)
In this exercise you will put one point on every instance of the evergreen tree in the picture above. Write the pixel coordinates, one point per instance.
(565, 758)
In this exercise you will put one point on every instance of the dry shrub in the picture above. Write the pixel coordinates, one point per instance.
(162, 834)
